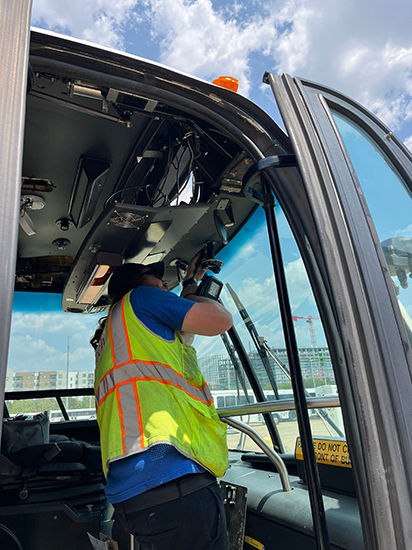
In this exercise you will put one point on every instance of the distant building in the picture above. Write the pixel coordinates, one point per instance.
(9, 379)
(218, 370)
(315, 364)
(48, 380)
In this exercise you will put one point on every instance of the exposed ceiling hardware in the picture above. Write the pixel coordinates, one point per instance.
(149, 104)
(224, 219)
(150, 155)
(109, 258)
(29, 202)
(181, 268)
(90, 93)
(232, 182)
(131, 168)
(61, 244)
(153, 258)
(64, 224)
(36, 184)
(149, 184)
(80, 108)
(87, 189)
(225, 212)
(112, 95)
(95, 284)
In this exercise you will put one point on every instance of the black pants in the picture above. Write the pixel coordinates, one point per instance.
(195, 521)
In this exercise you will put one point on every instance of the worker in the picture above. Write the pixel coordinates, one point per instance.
(162, 442)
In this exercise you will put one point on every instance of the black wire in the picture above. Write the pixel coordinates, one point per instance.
(179, 190)
(12, 536)
(120, 191)
(155, 195)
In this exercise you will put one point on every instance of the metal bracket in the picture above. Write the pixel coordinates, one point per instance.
(274, 161)
(235, 502)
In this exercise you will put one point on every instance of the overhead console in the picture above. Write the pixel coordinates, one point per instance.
(128, 233)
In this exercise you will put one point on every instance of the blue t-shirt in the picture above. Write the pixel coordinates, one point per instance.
(162, 313)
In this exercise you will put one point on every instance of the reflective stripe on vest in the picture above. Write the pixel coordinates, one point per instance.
(120, 379)
(132, 371)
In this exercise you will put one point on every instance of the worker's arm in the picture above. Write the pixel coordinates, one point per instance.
(207, 317)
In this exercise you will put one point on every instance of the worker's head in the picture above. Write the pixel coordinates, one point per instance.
(129, 276)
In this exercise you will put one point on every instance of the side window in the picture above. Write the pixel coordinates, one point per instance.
(389, 202)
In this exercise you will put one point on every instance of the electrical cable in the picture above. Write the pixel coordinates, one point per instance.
(120, 191)
(12, 536)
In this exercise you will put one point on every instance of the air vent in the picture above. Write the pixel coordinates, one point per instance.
(128, 220)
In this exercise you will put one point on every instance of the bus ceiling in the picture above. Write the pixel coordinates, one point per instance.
(119, 170)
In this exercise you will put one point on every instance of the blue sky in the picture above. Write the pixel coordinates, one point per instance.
(362, 48)
(357, 47)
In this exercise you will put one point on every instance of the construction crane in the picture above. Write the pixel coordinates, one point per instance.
(309, 319)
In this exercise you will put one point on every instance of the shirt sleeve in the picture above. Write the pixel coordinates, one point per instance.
(153, 305)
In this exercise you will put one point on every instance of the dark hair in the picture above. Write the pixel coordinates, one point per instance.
(126, 277)
(99, 331)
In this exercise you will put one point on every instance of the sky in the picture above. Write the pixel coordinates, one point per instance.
(55, 337)
(361, 48)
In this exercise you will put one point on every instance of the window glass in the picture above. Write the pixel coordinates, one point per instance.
(390, 205)
(248, 270)
(49, 349)
(77, 408)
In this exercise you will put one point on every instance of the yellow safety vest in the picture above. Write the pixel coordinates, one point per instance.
(149, 390)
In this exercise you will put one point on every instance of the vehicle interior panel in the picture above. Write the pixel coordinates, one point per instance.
(270, 508)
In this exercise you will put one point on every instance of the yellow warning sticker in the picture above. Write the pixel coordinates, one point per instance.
(327, 451)
(254, 543)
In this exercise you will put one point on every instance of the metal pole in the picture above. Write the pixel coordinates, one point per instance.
(274, 457)
(14, 51)
(238, 371)
(67, 368)
(255, 385)
(257, 340)
(312, 474)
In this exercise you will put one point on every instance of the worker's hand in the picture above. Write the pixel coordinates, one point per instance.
(192, 269)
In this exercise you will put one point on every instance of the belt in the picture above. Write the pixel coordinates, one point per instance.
(172, 490)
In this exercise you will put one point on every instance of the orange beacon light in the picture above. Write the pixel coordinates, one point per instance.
(227, 82)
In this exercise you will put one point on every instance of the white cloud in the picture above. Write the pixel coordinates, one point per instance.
(404, 232)
(408, 143)
(201, 40)
(246, 251)
(353, 46)
(259, 297)
(39, 341)
(100, 21)
(52, 323)
(356, 47)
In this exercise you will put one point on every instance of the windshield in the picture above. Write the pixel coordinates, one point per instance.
(250, 292)
(50, 349)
